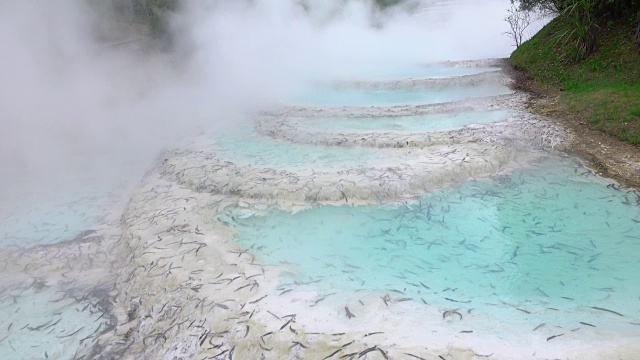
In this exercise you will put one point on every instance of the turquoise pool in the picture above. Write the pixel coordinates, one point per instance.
(431, 122)
(550, 236)
(328, 96)
(243, 146)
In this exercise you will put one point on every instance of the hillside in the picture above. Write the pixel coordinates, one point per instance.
(603, 90)
(597, 98)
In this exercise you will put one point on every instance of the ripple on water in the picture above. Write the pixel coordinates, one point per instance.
(248, 148)
(328, 96)
(42, 321)
(417, 72)
(430, 122)
(30, 216)
(550, 236)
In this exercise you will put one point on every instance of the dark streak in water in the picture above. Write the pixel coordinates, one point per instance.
(73, 333)
(414, 356)
(451, 312)
(606, 310)
(332, 354)
(373, 333)
(366, 351)
(457, 301)
(349, 313)
(554, 336)
(542, 292)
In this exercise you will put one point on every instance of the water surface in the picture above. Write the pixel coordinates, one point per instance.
(416, 72)
(44, 323)
(329, 96)
(551, 236)
(33, 214)
(247, 147)
(431, 122)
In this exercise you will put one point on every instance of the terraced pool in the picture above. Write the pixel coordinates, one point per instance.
(243, 146)
(41, 323)
(329, 96)
(32, 215)
(417, 71)
(551, 240)
(431, 122)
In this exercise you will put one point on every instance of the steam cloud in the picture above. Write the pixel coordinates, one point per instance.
(73, 108)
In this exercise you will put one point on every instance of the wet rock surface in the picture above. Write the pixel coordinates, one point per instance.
(168, 280)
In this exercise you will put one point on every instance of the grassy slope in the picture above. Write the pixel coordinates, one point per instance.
(604, 89)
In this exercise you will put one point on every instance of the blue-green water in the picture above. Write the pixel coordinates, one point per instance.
(551, 236)
(361, 97)
(417, 72)
(246, 147)
(40, 324)
(431, 122)
(30, 216)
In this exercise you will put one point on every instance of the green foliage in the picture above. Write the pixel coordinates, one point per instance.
(583, 18)
(555, 6)
(603, 88)
(585, 14)
(154, 13)
(387, 3)
(616, 8)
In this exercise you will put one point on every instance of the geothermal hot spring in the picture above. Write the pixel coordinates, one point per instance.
(399, 217)
(418, 212)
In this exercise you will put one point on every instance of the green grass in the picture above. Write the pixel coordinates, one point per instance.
(604, 89)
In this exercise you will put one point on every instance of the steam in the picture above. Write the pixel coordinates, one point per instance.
(72, 108)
